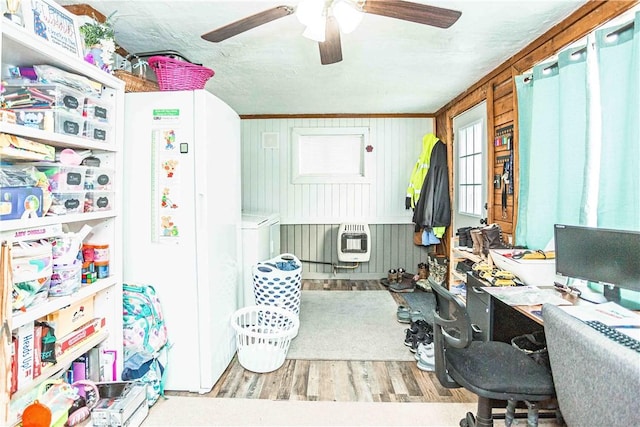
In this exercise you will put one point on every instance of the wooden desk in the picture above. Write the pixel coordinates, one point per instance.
(499, 321)
(534, 312)
(496, 320)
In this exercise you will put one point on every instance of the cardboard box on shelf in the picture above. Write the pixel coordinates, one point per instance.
(25, 337)
(69, 318)
(66, 342)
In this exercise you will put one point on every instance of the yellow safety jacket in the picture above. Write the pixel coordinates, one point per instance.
(420, 169)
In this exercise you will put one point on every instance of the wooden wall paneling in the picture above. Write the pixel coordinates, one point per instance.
(500, 84)
(491, 155)
(577, 25)
(501, 106)
(504, 119)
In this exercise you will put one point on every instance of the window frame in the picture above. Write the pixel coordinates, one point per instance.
(355, 171)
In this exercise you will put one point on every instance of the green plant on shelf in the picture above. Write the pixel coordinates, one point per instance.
(100, 42)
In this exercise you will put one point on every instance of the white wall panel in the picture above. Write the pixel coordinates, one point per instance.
(266, 181)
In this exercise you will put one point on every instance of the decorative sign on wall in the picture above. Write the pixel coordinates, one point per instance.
(47, 19)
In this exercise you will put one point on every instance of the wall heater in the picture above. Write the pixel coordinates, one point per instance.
(353, 242)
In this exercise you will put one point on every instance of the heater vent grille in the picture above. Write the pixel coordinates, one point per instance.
(353, 242)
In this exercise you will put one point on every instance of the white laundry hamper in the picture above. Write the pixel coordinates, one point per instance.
(263, 336)
(274, 286)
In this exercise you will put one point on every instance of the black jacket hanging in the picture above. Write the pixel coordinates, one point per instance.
(434, 207)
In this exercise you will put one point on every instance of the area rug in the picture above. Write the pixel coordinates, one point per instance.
(349, 325)
(202, 411)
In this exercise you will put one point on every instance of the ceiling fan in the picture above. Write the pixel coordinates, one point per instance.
(324, 19)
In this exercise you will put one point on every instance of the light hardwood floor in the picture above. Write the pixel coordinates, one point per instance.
(345, 381)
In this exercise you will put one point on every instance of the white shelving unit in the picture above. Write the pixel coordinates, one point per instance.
(20, 47)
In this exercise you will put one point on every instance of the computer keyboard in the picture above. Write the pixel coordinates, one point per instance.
(615, 335)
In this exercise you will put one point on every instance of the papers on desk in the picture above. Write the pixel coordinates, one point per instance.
(525, 295)
(609, 313)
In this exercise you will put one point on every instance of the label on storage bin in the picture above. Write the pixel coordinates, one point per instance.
(70, 127)
(102, 202)
(100, 112)
(103, 179)
(70, 102)
(72, 204)
(100, 134)
(74, 179)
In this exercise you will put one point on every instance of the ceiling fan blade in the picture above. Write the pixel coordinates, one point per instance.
(247, 23)
(414, 12)
(330, 49)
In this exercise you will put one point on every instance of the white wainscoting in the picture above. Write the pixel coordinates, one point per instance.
(316, 245)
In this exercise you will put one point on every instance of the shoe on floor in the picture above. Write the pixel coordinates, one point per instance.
(424, 285)
(425, 356)
(420, 325)
(417, 315)
(425, 352)
(402, 287)
(422, 337)
(426, 366)
(403, 314)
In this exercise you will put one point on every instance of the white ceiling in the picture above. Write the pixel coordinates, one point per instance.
(389, 65)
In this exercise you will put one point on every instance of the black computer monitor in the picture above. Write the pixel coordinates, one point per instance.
(605, 257)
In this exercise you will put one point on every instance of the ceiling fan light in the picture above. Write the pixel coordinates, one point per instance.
(316, 30)
(309, 11)
(347, 14)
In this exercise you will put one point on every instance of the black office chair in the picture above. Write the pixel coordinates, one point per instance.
(494, 371)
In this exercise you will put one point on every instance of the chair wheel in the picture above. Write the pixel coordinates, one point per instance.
(468, 421)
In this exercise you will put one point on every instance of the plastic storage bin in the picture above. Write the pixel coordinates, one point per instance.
(66, 203)
(97, 131)
(99, 179)
(97, 201)
(51, 120)
(97, 109)
(63, 178)
(49, 96)
(263, 336)
(278, 282)
(66, 279)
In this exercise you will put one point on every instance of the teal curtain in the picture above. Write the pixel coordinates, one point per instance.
(524, 90)
(552, 123)
(618, 50)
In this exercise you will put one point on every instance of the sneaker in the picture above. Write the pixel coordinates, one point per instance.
(425, 357)
(419, 326)
(425, 352)
(420, 338)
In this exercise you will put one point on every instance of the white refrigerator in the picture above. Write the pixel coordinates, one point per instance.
(182, 219)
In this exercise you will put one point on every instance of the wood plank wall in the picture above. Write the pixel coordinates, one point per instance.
(498, 89)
